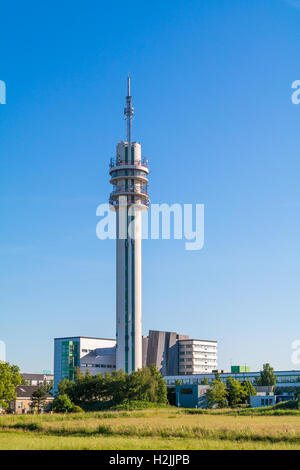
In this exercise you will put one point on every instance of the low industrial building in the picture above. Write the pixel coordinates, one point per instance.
(240, 369)
(287, 381)
(262, 400)
(191, 396)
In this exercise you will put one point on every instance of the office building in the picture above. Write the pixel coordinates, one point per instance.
(98, 355)
(197, 356)
(286, 381)
(176, 354)
(161, 348)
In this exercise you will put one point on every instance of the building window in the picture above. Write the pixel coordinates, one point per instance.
(186, 391)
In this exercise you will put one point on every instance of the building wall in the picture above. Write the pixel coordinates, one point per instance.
(145, 341)
(262, 400)
(191, 396)
(175, 354)
(161, 349)
(22, 405)
(94, 354)
(197, 356)
(285, 379)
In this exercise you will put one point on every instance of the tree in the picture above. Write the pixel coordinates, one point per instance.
(249, 390)
(204, 381)
(24, 381)
(62, 404)
(38, 399)
(80, 375)
(48, 386)
(63, 386)
(10, 378)
(161, 388)
(236, 393)
(217, 376)
(217, 395)
(146, 384)
(297, 395)
(267, 376)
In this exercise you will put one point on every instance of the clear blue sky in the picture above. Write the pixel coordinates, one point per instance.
(211, 85)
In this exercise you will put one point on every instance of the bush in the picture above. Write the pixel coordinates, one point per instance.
(77, 409)
(62, 404)
(287, 405)
(92, 406)
(137, 405)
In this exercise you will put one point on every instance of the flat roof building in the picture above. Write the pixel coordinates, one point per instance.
(177, 354)
(285, 380)
(98, 355)
(197, 356)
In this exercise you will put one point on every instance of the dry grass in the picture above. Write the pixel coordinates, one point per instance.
(149, 429)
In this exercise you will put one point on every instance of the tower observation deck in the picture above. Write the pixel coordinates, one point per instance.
(129, 197)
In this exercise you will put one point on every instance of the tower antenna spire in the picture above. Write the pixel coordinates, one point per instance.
(128, 111)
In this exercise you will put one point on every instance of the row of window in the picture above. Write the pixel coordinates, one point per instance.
(194, 350)
(193, 369)
(130, 172)
(197, 346)
(108, 366)
(267, 401)
(197, 362)
(201, 354)
(199, 380)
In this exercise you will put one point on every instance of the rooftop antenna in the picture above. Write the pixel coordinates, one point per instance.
(128, 111)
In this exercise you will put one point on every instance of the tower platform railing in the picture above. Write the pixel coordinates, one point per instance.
(134, 189)
(115, 163)
(144, 202)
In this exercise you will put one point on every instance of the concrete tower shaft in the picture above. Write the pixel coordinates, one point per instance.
(129, 197)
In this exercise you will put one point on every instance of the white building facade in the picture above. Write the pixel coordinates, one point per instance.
(197, 356)
(97, 355)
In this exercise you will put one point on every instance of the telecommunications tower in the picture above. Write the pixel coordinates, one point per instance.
(129, 197)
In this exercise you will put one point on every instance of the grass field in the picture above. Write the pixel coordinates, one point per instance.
(159, 429)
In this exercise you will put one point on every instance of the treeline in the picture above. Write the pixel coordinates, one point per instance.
(231, 393)
(96, 392)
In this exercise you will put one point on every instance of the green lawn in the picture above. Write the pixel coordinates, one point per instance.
(160, 429)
